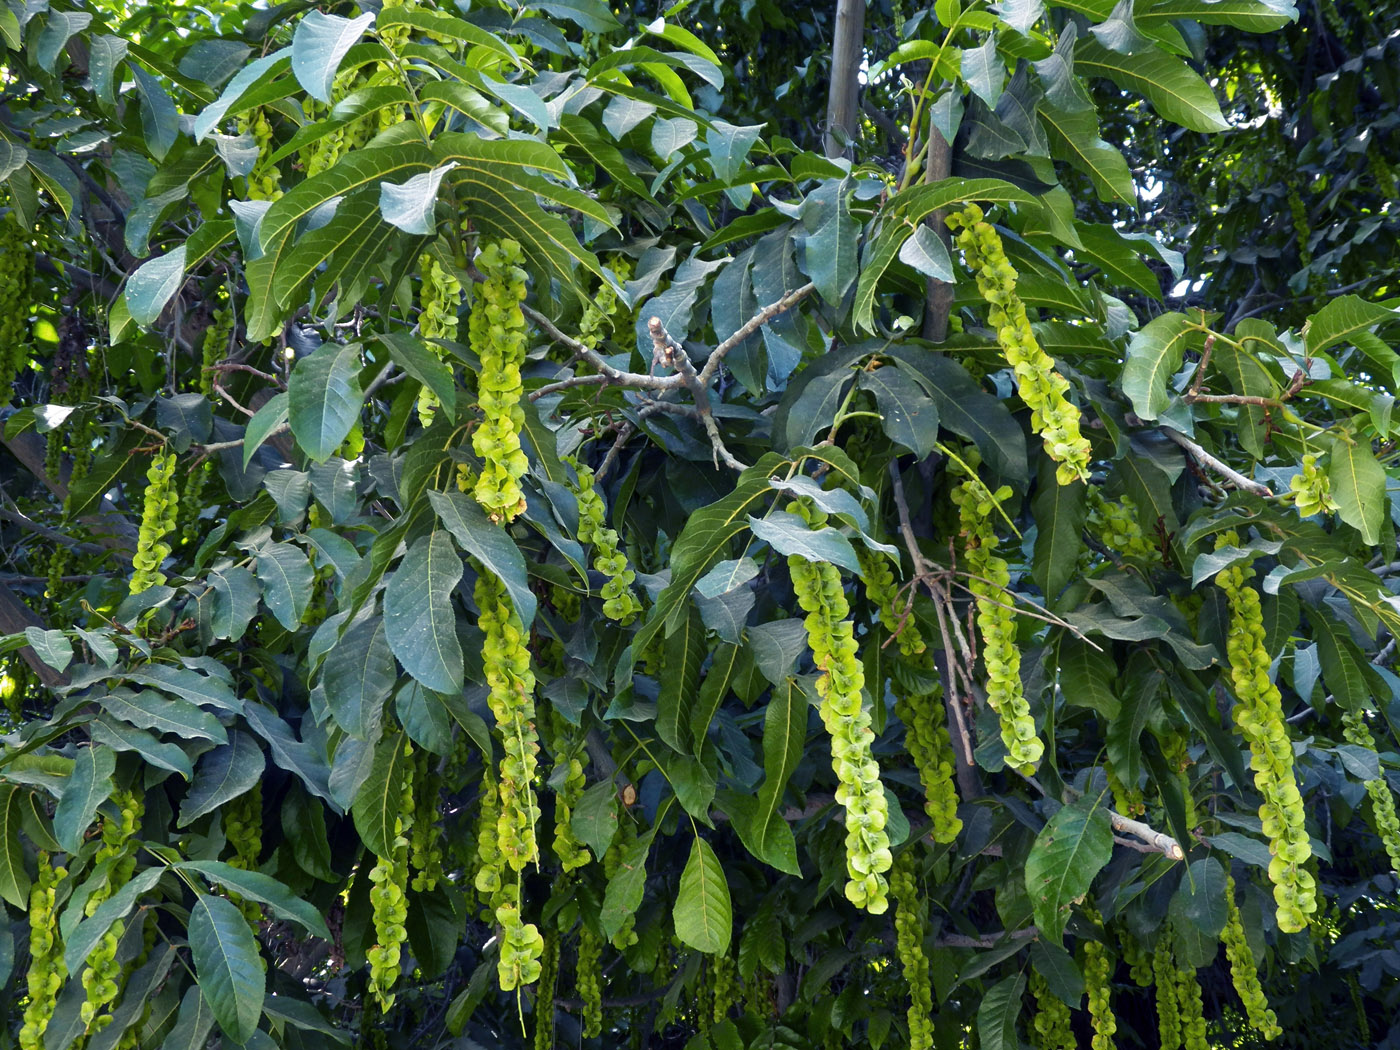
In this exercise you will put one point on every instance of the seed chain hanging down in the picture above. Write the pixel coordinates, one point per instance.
(1053, 416)
(996, 620)
(1258, 717)
(830, 633)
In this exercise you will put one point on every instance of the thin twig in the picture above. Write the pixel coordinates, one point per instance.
(906, 527)
(20, 518)
(624, 434)
(987, 940)
(236, 366)
(220, 446)
(1025, 606)
(614, 376)
(232, 401)
(1201, 366)
(1227, 472)
(752, 325)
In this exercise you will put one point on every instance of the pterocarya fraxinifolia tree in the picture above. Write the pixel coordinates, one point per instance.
(518, 530)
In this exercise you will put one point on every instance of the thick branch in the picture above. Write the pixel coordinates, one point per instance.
(30, 525)
(1205, 459)
(938, 295)
(670, 354)
(15, 616)
(1155, 841)
(110, 528)
(612, 376)
(846, 50)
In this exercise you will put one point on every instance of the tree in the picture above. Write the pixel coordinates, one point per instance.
(490, 560)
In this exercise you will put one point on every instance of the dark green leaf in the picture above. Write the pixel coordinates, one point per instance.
(377, 803)
(419, 621)
(488, 543)
(262, 888)
(358, 677)
(89, 785)
(1069, 851)
(224, 773)
(323, 399)
(227, 964)
(14, 878)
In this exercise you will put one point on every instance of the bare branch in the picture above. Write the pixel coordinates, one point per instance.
(986, 940)
(1156, 841)
(670, 354)
(612, 376)
(752, 325)
(624, 434)
(1205, 459)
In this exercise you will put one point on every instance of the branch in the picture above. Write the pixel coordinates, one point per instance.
(1156, 841)
(752, 325)
(1205, 459)
(624, 434)
(669, 353)
(612, 376)
(29, 524)
(110, 528)
(15, 616)
(986, 940)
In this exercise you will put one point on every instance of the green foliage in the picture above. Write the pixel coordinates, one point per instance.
(367, 682)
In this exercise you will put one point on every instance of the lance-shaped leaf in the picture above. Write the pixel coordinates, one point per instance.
(489, 544)
(788, 535)
(318, 46)
(376, 805)
(624, 893)
(288, 582)
(266, 419)
(359, 675)
(1074, 137)
(163, 714)
(762, 828)
(1341, 319)
(1359, 487)
(1175, 90)
(193, 1023)
(87, 933)
(997, 1013)
(830, 247)
(324, 398)
(14, 879)
(262, 888)
(228, 966)
(419, 621)
(680, 675)
(703, 914)
(418, 359)
(1155, 353)
(256, 71)
(594, 819)
(1059, 521)
(1069, 851)
(89, 785)
(224, 773)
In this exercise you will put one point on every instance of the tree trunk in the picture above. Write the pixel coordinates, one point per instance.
(846, 52)
(938, 298)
